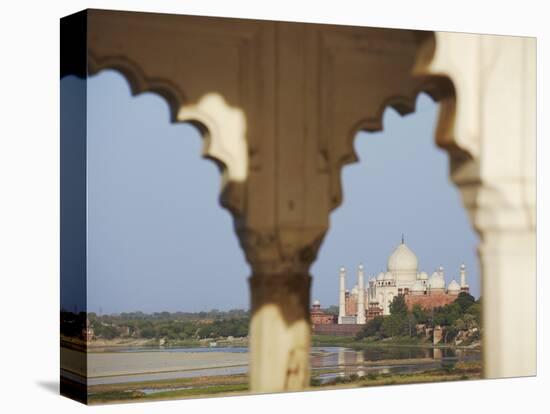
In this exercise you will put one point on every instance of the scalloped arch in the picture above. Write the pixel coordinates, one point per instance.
(226, 146)
(438, 87)
(138, 81)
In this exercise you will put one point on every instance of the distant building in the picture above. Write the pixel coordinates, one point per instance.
(320, 317)
(402, 277)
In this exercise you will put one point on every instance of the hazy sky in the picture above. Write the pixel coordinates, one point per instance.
(158, 239)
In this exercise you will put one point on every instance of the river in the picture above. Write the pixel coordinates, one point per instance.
(125, 365)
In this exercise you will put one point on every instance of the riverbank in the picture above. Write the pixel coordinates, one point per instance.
(100, 345)
(238, 384)
(106, 345)
(405, 341)
(153, 364)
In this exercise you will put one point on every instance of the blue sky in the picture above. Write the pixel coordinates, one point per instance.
(158, 239)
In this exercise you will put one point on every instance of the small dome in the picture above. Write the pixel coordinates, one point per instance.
(380, 276)
(361, 267)
(418, 286)
(388, 276)
(454, 286)
(422, 276)
(354, 290)
(316, 303)
(402, 259)
(372, 279)
(342, 269)
(437, 281)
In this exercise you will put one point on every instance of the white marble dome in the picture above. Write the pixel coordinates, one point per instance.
(316, 303)
(454, 286)
(437, 281)
(403, 260)
(388, 276)
(422, 276)
(380, 276)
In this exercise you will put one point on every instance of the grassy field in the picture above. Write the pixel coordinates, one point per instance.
(351, 342)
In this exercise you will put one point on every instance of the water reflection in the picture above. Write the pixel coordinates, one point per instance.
(330, 362)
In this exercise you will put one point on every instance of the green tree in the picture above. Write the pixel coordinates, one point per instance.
(475, 312)
(411, 324)
(106, 331)
(469, 321)
(372, 328)
(446, 315)
(148, 332)
(450, 333)
(460, 325)
(398, 306)
(464, 300)
(394, 325)
(419, 314)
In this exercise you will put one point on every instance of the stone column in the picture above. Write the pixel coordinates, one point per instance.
(487, 123)
(509, 303)
(279, 330)
(342, 310)
(361, 318)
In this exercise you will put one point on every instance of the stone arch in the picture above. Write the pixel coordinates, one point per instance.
(299, 138)
(479, 119)
(139, 82)
(211, 116)
(500, 196)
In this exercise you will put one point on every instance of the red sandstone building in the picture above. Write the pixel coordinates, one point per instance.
(320, 317)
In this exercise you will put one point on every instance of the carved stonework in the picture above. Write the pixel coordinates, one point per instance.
(279, 331)
(487, 123)
(279, 105)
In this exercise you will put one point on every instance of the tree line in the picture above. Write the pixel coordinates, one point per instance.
(173, 326)
(169, 325)
(464, 314)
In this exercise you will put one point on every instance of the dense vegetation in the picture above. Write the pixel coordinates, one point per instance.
(171, 326)
(464, 314)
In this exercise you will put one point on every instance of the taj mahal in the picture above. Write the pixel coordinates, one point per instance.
(402, 277)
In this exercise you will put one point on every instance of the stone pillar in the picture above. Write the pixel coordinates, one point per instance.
(487, 123)
(509, 303)
(361, 318)
(342, 297)
(279, 330)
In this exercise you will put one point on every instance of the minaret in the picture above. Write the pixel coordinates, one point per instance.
(342, 310)
(463, 276)
(361, 319)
